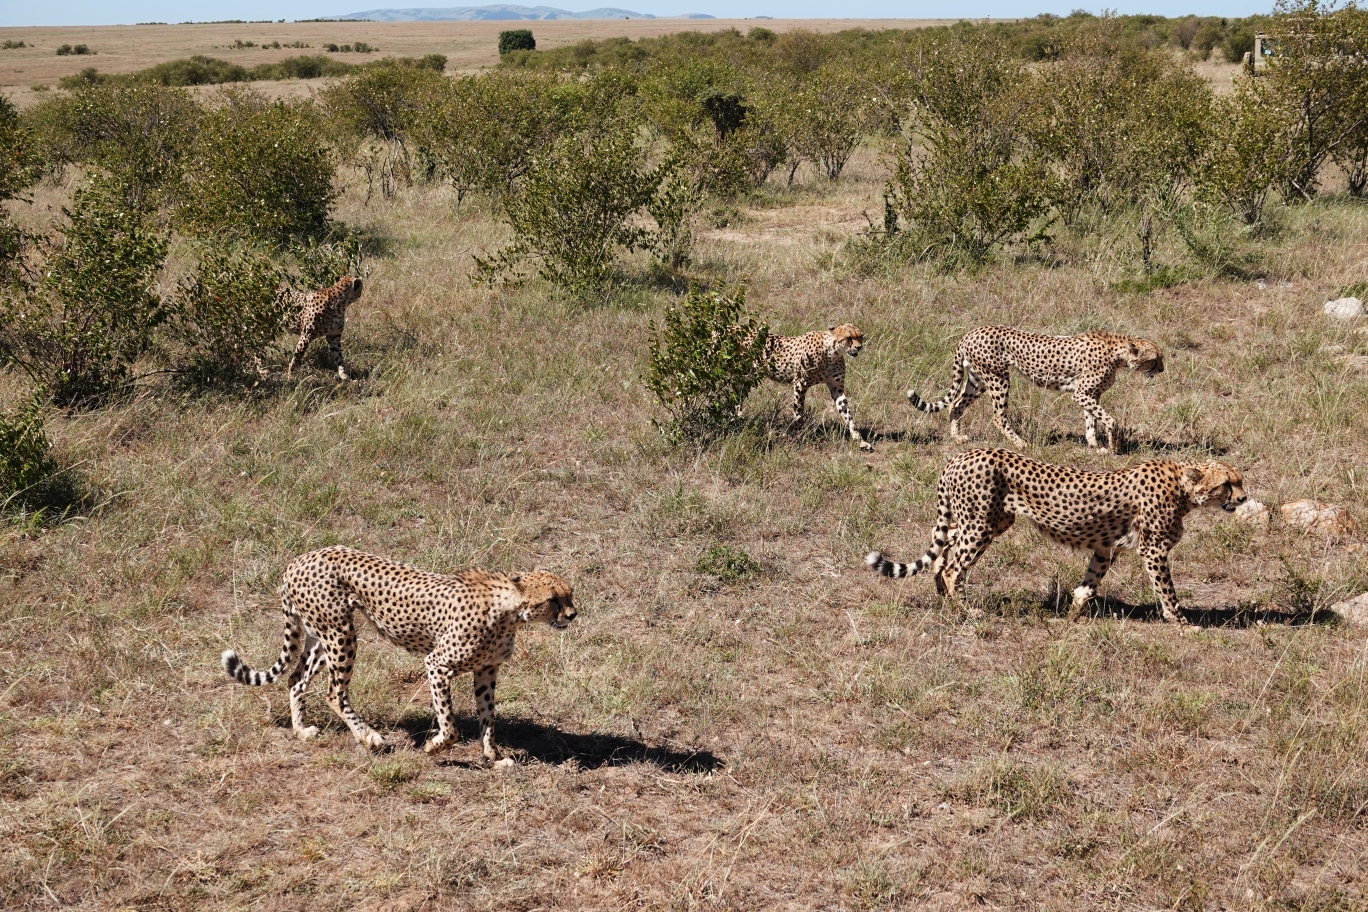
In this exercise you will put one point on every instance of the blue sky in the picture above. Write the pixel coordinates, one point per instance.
(112, 12)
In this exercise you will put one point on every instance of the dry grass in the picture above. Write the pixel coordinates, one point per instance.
(800, 735)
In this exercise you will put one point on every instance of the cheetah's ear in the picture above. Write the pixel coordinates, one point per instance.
(515, 577)
(356, 286)
(831, 328)
(1191, 478)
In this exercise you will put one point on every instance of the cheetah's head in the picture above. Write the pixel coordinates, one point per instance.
(1213, 484)
(546, 597)
(351, 287)
(847, 338)
(1143, 355)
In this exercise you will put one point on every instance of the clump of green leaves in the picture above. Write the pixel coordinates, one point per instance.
(79, 329)
(258, 171)
(229, 310)
(572, 212)
(967, 175)
(728, 564)
(516, 40)
(704, 361)
(30, 478)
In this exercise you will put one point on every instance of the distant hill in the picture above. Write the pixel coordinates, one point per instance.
(501, 11)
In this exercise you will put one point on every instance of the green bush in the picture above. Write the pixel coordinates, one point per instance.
(1120, 124)
(728, 564)
(78, 331)
(258, 170)
(516, 40)
(192, 71)
(827, 114)
(138, 134)
(967, 176)
(20, 166)
(484, 131)
(31, 480)
(230, 310)
(704, 362)
(572, 212)
(1246, 154)
(378, 112)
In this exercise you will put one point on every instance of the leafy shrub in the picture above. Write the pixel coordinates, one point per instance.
(229, 310)
(257, 169)
(88, 76)
(379, 109)
(1245, 155)
(10, 44)
(484, 131)
(966, 175)
(67, 49)
(1120, 123)
(729, 565)
(192, 71)
(704, 362)
(20, 166)
(138, 134)
(303, 66)
(516, 40)
(826, 117)
(30, 478)
(1318, 86)
(80, 329)
(572, 212)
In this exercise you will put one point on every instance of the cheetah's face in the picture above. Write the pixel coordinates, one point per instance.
(546, 597)
(848, 339)
(1214, 484)
(1143, 355)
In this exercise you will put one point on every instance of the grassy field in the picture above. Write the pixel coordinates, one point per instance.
(468, 46)
(742, 716)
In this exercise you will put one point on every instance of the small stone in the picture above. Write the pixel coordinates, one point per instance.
(1353, 611)
(1253, 513)
(1344, 308)
(1313, 516)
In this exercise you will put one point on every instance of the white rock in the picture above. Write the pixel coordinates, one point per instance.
(1353, 611)
(1344, 308)
(1253, 512)
(1313, 516)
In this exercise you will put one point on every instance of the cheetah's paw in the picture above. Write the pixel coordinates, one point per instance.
(307, 734)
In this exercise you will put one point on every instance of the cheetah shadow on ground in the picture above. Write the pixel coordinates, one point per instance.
(1131, 445)
(1110, 607)
(527, 740)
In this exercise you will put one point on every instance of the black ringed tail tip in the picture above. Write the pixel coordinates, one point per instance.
(231, 663)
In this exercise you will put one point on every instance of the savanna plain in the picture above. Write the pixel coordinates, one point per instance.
(742, 716)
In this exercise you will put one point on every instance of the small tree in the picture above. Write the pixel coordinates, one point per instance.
(573, 211)
(19, 167)
(230, 309)
(516, 40)
(704, 362)
(258, 170)
(966, 174)
(79, 330)
(138, 134)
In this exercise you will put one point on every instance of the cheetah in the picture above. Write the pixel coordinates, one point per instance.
(813, 358)
(323, 313)
(1084, 365)
(462, 622)
(982, 492)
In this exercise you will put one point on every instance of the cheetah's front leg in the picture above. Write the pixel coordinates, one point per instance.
(306, 336)
(1093, 412)
(340, 650)
(1097, 568)
(837, 389)
(1155, 556)
(439, 682)
(485, 679)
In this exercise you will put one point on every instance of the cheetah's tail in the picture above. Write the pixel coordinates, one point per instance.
(957, 386)
(939, 540)
(289, 655)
